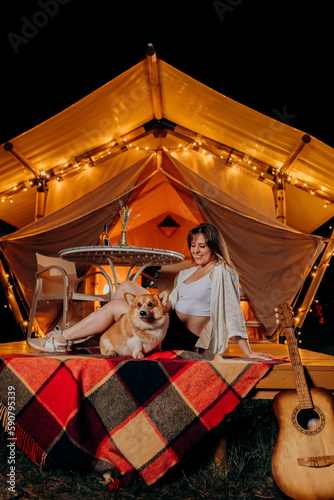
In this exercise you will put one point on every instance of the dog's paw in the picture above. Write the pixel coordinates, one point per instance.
(108, 352)
(107, 348)
(111, 352)
(138, 355)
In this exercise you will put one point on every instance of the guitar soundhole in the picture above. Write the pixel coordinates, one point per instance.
(309, 421)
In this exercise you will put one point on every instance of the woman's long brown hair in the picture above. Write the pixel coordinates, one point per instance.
(214, 239)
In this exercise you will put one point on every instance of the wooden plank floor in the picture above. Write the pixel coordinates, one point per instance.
(319, 367)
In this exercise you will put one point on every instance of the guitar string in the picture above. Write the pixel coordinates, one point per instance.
(317, 449)
(316, 445)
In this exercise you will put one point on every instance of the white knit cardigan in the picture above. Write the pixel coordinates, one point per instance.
(226, 317)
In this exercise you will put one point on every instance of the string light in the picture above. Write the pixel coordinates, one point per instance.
(233, 158)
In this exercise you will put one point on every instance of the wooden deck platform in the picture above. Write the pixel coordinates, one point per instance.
(319, 367)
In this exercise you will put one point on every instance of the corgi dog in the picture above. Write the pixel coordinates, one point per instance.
(140, 330)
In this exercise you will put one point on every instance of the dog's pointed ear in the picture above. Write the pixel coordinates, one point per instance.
(129, 298)
(164, 296)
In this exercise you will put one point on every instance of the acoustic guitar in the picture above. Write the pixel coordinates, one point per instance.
(303, 456)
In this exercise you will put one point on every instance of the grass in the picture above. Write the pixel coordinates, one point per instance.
(251, 430)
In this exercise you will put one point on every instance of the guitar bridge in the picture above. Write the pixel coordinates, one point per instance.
(324, 461)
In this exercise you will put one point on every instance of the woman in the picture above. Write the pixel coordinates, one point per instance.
(204, 306)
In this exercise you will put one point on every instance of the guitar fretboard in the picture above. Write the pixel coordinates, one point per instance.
(303, 392)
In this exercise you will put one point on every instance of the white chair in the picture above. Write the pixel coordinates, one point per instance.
(57, 280)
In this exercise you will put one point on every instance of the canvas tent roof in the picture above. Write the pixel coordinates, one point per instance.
(132, 101)
(176, 149)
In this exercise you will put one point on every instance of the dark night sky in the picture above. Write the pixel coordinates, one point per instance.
(271, 55)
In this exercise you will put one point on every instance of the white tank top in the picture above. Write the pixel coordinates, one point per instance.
(195, 298)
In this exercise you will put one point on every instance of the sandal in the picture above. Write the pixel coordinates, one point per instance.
(49, 343)
(78, 341)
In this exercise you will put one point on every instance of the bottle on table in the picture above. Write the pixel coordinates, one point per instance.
(104, 237)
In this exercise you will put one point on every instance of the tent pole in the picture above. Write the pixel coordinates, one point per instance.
(40, 200)
(11, 149)
(281, 216)
(154, 81)
(280, 184)
(41, 185)
(306, 139)
(308, 299)
(281, 202)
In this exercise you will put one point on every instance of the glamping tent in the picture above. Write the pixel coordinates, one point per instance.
(177, 153)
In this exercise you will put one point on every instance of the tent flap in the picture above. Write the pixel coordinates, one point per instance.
(272, 260)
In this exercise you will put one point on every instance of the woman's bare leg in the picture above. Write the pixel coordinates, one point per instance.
(99, 320)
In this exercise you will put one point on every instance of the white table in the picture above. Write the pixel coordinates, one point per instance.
(126, 256)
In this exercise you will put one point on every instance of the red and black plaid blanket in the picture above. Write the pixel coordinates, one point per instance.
(90, 413)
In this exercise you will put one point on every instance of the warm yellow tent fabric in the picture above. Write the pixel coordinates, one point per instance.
(124, 105)
(110, 146)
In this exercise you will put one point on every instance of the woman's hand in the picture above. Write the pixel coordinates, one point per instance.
(245, 347)
(262, 355)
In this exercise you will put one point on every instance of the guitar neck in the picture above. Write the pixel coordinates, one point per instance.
(302, 389)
